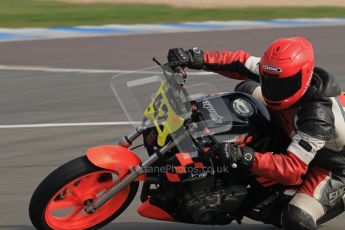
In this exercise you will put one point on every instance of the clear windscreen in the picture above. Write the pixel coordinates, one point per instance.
(136, 90)
(139, 93)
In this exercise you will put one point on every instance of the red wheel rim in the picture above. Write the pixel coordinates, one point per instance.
(65, 211)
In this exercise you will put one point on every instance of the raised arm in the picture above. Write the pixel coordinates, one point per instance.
(233, 64)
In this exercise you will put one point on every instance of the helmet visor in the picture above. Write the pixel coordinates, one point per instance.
(275, 88)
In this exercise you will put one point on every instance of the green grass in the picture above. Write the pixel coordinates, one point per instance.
(46, 13)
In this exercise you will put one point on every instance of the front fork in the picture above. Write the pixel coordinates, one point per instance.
(134, 172)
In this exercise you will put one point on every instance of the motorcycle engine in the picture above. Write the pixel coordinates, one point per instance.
(206, 201)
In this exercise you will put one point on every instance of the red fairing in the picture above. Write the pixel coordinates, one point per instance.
(114, 157)
(227, 63)
(153, 212)
(284, 169)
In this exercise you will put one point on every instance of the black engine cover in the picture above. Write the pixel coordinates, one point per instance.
(205, 201)
(213, 207)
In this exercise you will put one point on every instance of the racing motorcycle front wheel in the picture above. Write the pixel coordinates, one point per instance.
(59, 201)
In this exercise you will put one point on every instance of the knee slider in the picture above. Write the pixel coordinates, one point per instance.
(295, 218)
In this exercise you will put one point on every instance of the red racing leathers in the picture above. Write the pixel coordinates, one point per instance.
(283, 168)
(315, 126)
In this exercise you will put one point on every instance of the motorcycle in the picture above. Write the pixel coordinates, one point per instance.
(183, 181)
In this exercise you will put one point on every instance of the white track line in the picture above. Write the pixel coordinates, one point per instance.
(69, 124)
(68, 70)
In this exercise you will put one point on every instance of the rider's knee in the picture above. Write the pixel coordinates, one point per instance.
(295, 218)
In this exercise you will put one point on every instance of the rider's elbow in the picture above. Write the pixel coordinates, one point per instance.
(294, 177)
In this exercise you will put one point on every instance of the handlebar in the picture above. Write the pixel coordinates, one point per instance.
(177, 95)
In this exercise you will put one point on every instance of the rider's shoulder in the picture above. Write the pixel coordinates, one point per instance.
(316, 119)
(322, 88)
(323, 84)
(314, 114)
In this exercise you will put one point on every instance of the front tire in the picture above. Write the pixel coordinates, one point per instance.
(59, 201)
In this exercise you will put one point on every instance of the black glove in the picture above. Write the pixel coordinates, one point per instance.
(232, 154)
(192, 58)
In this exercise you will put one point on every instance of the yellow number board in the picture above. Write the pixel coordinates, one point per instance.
(162, 115)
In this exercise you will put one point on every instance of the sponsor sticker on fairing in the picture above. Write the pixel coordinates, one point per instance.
(213, 113)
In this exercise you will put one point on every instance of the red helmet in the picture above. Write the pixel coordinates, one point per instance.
(286, 69)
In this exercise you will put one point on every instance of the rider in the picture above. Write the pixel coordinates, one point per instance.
(305, 101)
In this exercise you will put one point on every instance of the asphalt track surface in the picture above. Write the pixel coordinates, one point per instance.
(35, 97)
